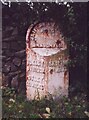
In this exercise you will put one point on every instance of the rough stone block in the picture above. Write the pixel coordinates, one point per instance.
(5, 45)
(21, 53)
(13, 68)
(6, 68)
(17, 61)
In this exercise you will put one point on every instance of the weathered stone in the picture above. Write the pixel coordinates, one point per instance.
(14, 82)
(17, 61)
(23, 44)
(21, 38)
(0, 78)
(21, 53)
(9, 28)
(5, 45)
(15, 31)
(15, 46)
(9, 38)
(8, 58)
(3, 63)
(0, 66)
(3, 58)
(9, 53)
(3, 52)
(9, 67)
(6, 34)
(22, 88)
(22, 75)
(24, 60)
(13, 67)
(14, 73)
(6, 80)
(23, 66)
(45, 71)
(6, 68)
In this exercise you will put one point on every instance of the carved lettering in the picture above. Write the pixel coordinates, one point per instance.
(46, 62)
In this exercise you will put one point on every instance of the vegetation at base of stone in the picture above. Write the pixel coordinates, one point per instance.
(17, 106)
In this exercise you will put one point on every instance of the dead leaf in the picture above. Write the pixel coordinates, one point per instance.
(87, 113)
(48, 109)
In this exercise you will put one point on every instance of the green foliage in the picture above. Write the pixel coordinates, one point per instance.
(18, 107)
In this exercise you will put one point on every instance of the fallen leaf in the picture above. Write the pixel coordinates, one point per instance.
(70, 113)
(11, 100)
(20, 111)
(9, 106)
(48, 109)
(87, 113)
(66, 103)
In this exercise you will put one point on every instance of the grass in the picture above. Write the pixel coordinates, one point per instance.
(17, 106)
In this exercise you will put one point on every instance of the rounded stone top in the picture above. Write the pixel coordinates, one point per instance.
(45, 38)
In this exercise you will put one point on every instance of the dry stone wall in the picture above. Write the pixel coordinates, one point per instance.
(13, 59)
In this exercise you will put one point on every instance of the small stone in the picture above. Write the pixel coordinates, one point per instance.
(17, 61)
(21, 53)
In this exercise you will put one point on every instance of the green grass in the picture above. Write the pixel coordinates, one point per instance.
(16, 106)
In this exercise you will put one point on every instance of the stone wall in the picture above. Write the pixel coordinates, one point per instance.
(15, 22)
(13, 58)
